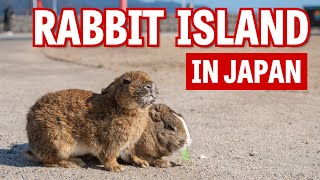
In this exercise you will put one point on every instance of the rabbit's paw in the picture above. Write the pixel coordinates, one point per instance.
(62, 163)
(118, 168)
(161, 163)
(113, 166)
(139, 162)
(79, 162)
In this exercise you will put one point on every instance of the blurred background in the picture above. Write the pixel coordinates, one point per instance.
(22, 9)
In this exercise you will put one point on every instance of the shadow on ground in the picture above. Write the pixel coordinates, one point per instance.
(14, 156)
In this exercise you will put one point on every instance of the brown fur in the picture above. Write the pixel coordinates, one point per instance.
(70, 123)
(164, 135)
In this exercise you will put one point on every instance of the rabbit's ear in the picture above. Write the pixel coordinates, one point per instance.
(178, 114)
(107, 89)
(110, 87)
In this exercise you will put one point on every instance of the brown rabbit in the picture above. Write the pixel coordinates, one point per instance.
(166, 133)
(70, 123)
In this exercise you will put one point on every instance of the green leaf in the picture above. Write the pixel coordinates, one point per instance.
(185, 155)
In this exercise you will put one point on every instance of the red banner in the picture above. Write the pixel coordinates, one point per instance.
(246, 71)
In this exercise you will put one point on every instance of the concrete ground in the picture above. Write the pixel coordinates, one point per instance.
(243, 134)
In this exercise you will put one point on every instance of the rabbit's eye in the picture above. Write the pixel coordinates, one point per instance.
(170, 127)
(126, 81)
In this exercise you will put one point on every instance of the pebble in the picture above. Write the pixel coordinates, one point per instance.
(203, 157)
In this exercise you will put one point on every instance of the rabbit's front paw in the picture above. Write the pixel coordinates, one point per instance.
(118, 168)
(139, 162)
(113, 166)
(162, 163)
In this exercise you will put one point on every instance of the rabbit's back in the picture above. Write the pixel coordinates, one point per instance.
(60, 115)
(60, 107)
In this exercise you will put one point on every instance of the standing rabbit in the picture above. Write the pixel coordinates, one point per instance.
(70, 123)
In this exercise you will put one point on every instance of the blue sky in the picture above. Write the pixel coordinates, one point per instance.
(234, 5)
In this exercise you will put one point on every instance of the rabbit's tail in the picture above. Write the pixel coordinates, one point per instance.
(30, 156)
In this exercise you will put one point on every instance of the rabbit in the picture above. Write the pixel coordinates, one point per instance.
(66, 124)
(166, 133)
